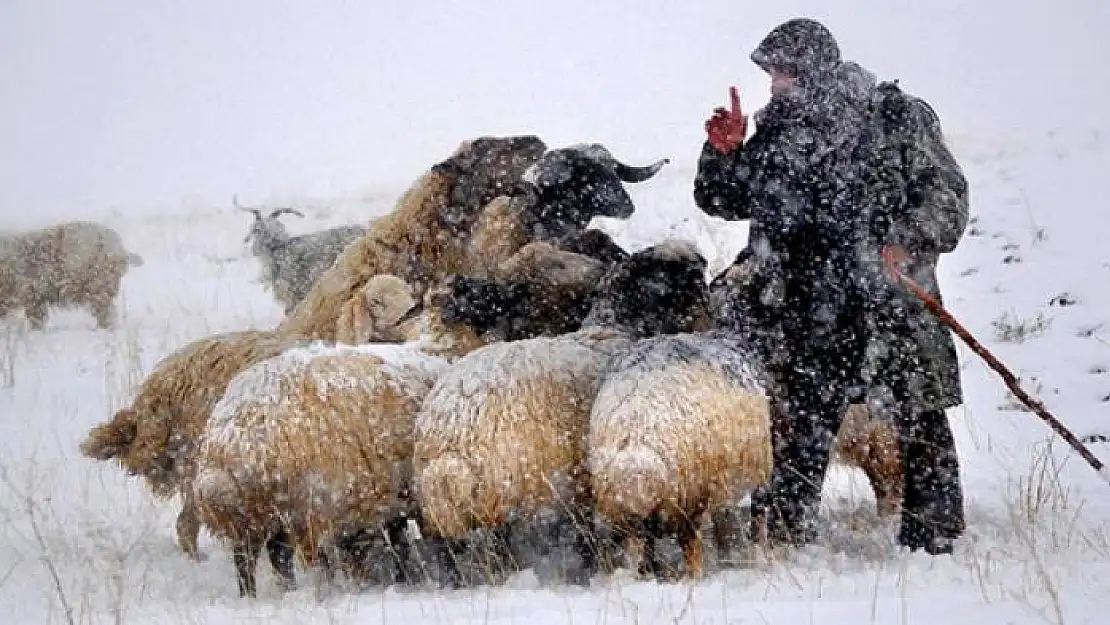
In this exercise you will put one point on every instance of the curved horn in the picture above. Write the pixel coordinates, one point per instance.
(639, 174)
(257, 213)
(281, 211)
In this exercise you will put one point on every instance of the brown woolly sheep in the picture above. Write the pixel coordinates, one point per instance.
(870, 442)
(72, 264)
(157, 436)
(308, 447)
(680, 427)
(424, 238)
(502, 433)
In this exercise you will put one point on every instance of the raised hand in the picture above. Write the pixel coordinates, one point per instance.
(727, 127)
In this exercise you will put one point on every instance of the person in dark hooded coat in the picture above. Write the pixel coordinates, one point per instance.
(816, 182)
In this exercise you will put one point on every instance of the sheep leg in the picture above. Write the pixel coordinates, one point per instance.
(399, 545)
(724, 531)
(503, 547)
(188, 529)
(279, 548)
(689, 538)
(887, 488)
(581, 515)
(35, 312)
(104, 311)
(245, 555)
(651, 531)
(447, 557)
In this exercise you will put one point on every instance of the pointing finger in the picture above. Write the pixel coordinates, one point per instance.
(734, 95)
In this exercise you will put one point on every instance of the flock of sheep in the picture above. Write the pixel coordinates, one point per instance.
(473, 360)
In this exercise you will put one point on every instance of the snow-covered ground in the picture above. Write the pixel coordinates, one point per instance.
(1031, 278)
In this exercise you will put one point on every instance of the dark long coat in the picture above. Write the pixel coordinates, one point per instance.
(911, 358)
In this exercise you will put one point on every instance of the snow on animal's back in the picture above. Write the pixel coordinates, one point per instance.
(679, 403)
(506, 381)
(298, 382)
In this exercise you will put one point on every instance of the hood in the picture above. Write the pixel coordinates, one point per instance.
(803, 47)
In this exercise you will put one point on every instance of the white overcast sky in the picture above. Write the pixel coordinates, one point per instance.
(146, 105)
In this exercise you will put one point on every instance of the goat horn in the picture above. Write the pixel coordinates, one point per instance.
(235, 201)
(639, 174)
(281, 211)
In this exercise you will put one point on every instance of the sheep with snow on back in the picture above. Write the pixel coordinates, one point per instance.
(308, 447)
(502, 434)
(680, 427)
(73, 264)
(156, 437)
(158, 434)
(290, 264)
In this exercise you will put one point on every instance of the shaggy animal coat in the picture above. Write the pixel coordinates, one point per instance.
(680, 427)
(68, 265)
(157, 436)
(502, 432)
(424, 239)
(314, 442)
(379, 313)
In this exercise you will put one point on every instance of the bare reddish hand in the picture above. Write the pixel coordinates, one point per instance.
(727, 128)
(895, 259)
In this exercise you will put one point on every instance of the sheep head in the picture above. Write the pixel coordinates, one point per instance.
(266, 232)
(658, 290)
(570, 186)
(382, 310)
(485, 168)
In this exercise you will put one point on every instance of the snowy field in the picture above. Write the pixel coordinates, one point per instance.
(149, 117)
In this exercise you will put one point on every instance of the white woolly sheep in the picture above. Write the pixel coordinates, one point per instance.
(291, 264)
(502, 433)
(73, 264)
(680, 427)
(309, 446)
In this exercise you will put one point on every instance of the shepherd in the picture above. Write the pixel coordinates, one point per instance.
(839, 171)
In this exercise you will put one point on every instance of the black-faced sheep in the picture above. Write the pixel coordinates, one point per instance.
(424, 238)
(291, 264)
(866, 439)
(540, 291)
(680, 427)
(73, 264)
(502, 433)
(308, 447)
(157, 436)
(554, 202)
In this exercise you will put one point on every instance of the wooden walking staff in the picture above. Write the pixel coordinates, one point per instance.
(1007, 376)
